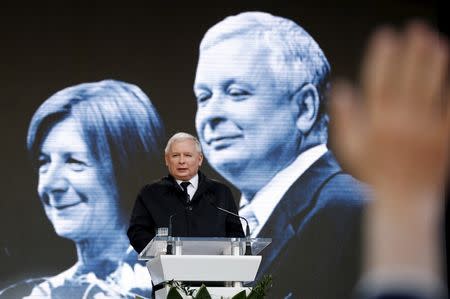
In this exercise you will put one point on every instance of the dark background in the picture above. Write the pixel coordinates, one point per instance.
(53, 45)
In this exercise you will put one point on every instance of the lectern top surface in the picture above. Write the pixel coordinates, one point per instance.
(202, 246)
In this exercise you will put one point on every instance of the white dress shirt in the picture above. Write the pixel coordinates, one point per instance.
(266, 199)
(192, 187)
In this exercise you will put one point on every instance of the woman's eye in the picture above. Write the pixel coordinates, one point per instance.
(75, 164)
(42, 161)
(43, 164)
(202, 98)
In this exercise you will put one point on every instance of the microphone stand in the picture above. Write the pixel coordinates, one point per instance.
(169, 248)
(248, 244)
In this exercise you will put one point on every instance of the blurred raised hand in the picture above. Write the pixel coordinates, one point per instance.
(392, 131)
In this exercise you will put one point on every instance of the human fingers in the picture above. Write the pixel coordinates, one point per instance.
(379, 71)
(422, 69)
(346, 125)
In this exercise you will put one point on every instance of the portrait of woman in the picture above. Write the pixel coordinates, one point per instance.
(93, 146)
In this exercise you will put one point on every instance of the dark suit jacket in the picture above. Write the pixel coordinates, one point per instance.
(200, 217)
(402, 293)
(315, 231)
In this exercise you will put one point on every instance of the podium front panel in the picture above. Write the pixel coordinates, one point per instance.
(203, 268)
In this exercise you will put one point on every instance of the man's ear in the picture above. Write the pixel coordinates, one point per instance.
(166, 159)
(201, 160)
(307, 102)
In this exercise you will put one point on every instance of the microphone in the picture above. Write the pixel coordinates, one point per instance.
(248, 246)
(169, 248)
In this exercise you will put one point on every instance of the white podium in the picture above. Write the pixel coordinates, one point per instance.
(204, 260)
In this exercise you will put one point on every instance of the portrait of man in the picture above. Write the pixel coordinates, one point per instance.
(260, 85)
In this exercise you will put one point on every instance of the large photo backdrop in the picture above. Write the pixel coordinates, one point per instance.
(91, 92)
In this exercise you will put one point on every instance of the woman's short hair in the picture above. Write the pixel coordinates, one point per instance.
(119, 123)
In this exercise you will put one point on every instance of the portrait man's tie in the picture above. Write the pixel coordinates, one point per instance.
(248, 214)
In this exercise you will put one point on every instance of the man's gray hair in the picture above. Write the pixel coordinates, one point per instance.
(296, 57)
(180, 136)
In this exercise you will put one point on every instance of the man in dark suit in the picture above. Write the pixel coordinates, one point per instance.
(188, 195)
(260, 87)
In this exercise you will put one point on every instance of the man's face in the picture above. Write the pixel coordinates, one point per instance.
(245, 120)
(183, 160)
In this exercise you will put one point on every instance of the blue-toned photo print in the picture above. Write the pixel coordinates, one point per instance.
(86, 142)
(260, 86)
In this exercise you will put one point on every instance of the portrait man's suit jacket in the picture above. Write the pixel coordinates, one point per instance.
(315, 231)
(403, 295)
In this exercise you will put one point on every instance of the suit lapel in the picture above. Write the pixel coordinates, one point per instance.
(203, 185)
(286, 219)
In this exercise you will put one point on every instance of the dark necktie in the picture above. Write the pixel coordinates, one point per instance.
(184, 185)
